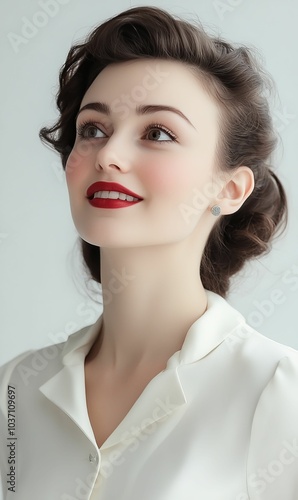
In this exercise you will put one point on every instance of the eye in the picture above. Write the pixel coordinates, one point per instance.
(157, 130)
(89, 130)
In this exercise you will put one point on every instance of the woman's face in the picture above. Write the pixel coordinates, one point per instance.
(166, 159)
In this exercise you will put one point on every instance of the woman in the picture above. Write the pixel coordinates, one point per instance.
(165, 137)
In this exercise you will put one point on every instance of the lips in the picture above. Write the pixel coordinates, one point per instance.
(109, 186)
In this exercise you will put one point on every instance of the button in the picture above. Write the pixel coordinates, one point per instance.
(93, 458)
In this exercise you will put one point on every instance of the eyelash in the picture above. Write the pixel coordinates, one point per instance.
(84, 125)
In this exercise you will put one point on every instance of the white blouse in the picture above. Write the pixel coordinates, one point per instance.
(219, 423)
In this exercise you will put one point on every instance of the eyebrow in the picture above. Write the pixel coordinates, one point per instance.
(102, 107)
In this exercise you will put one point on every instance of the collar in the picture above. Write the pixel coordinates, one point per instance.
(164, 393)
(204, 335)
(210, 330)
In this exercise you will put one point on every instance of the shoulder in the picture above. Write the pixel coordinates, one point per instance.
(271, 372)
(273, 453)
(262, 354)
(235, 330)
(31, 369)
(26, 370)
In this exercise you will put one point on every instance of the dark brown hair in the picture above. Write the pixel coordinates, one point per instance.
(233, 76)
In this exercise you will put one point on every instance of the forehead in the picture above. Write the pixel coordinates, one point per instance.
(153, 81)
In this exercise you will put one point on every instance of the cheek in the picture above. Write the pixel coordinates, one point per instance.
(165, 177)
(175, 178)
(69, 169)
(76, 164)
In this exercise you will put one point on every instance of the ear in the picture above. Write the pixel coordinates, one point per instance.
(237, 189)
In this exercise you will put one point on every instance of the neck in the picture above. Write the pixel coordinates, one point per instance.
(151, 297)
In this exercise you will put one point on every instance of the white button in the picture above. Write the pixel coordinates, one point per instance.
(93, 458)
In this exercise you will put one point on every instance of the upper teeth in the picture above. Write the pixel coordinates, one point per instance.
(114, 195)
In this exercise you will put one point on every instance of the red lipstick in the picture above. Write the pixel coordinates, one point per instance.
(109, 202)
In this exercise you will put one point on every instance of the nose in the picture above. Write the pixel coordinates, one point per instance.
(113, 156)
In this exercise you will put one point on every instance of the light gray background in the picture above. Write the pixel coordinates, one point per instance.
(43, 298)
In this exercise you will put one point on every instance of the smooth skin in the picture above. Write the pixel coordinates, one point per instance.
(152, 243)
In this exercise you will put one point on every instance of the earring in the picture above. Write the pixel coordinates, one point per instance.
(215, 210)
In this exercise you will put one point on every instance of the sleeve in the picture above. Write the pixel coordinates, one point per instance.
(272, 467)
